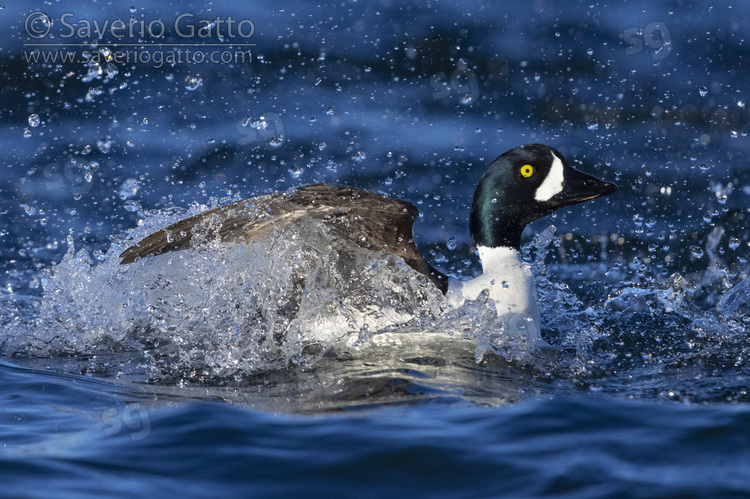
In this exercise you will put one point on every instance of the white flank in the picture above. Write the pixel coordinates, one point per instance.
(553, 184)
(511, 288)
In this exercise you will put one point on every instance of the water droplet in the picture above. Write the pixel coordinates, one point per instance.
(590, 51)
(537, 76)
(296, 172)
(322, 55)
(193, 82)
(360, 156)
(329, 111)
(322, 146)
(104, 144)
(276, 142)
(129, 188)
(259, 124)
(94, 70)
(132, 10)
(696, 251)
(94, 166)
(451, 244)
(34, 120)
(741, 104)
(592, 125)
(132, 206)
(388, 181)
(704, 167)
(27, 134)
(206, 29)
(111, 70)
(368, 69)
(734, 243)
(467, 99)
(734, 134)
(703, 91)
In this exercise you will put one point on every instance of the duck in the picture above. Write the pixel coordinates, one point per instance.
(521, 186)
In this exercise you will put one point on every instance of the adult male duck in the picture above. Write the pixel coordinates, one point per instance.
(519, 187)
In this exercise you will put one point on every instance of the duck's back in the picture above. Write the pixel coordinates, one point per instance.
(369, 219)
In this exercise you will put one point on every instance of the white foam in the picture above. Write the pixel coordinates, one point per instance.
(230, 308)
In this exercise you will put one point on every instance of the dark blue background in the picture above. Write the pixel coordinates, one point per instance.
(413, 100)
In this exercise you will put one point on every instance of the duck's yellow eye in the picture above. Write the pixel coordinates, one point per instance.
(527, 171)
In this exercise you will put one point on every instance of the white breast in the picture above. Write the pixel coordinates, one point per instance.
(511, 287)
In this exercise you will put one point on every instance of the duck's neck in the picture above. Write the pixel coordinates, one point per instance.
(490, 228)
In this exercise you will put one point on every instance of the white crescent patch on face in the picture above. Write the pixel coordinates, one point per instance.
(553, 184)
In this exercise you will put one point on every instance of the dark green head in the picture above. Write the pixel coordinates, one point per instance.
(524, 185)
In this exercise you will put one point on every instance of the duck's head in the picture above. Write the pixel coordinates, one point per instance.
(523, 185)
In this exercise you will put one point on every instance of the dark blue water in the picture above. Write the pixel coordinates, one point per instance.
(559, 446)
(644, 293)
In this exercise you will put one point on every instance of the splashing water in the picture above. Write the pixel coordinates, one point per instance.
(221, 311)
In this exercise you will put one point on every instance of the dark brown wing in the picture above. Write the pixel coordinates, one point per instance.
(366, 218)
